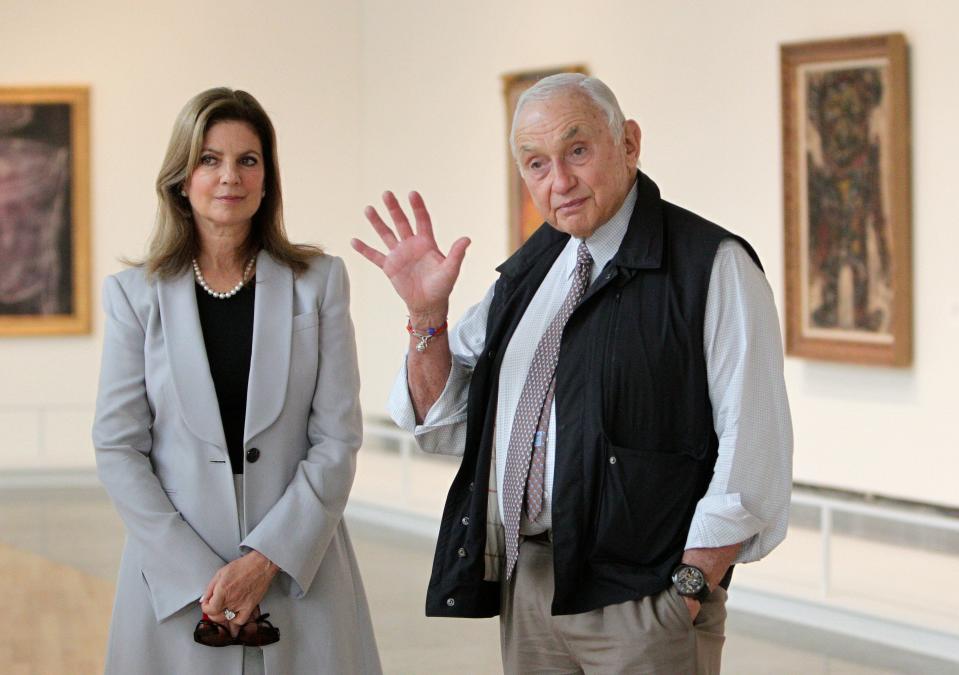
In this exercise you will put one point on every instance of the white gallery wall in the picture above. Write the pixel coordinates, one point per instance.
(405, 95)
(142, 62)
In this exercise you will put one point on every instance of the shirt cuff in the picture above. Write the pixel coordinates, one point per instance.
(449, 408)
(400, 404)
(722, 520)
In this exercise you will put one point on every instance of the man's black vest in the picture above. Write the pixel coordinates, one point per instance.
(635, 445)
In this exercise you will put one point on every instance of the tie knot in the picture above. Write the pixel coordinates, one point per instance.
(583, 258)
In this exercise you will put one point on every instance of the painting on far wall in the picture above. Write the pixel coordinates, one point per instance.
(845, 112)
(524, 219)
(44, 210)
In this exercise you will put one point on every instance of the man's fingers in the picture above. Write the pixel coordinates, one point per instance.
(457, 252)
(382, 229)
(368, 252)
(400, 222)
(424, 225)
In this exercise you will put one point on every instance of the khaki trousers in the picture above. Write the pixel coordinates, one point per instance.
(651, 636)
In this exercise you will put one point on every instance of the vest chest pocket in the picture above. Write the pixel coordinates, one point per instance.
(645, 505)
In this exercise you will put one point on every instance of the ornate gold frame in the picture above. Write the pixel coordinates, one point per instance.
(77, 321)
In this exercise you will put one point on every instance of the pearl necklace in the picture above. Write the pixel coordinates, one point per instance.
(227, 294)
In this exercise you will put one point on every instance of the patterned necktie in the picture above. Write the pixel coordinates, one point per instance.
(529, 413)
(537, 466)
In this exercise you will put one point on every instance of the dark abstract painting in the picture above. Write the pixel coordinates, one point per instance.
(43, 228)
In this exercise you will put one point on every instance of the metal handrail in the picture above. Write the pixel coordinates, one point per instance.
(829, 506)
(909, 517)
(41, 411)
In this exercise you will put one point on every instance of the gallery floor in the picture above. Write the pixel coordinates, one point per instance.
(59, 552)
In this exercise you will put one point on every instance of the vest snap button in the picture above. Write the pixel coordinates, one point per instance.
(466, 520)
(461, 553)
(612, 460)
(450, 602)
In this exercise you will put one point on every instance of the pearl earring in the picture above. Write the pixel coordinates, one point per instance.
(183, 193)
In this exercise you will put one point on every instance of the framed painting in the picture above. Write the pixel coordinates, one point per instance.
(524, 219)
(846, 174)
(44, 210)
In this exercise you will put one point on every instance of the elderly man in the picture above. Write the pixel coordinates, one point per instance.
(617, 398)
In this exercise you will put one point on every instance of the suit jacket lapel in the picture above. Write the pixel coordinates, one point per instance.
(272, 342)
(186, 353)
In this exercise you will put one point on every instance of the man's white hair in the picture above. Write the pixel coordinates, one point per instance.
(597, 91)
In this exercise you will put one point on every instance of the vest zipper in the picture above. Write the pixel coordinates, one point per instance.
(608, 369)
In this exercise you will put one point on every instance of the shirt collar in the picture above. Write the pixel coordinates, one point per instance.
(605, 241)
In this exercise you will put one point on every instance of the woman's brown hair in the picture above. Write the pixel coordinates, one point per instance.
(174, 243)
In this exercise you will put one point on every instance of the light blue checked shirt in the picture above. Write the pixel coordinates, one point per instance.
(748, 498)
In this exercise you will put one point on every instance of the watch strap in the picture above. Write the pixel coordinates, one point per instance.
(703, 592)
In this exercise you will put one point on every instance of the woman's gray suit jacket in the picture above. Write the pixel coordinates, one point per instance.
(163, 459)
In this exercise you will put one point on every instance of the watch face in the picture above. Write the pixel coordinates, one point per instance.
(688, 580)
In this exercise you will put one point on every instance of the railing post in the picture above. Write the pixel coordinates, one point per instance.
(41, 436)
(406, 466)
(825, 533)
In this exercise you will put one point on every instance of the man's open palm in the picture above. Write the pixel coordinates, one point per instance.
(422, 276)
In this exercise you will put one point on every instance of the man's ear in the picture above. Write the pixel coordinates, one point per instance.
(632, 138)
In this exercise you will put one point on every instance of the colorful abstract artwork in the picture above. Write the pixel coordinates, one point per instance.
(846, 169)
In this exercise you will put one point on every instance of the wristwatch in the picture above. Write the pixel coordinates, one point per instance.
(690, 582)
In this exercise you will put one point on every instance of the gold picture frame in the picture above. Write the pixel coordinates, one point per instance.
(847, 210)
(44, 210)
(524, 219)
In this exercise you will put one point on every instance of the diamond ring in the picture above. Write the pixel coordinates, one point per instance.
(229, 614)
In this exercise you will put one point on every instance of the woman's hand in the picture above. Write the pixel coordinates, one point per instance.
(238, 586)
(422, 276)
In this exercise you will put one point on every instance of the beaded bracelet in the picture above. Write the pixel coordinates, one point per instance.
(424, 338)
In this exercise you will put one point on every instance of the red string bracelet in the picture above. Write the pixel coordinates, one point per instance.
(424, 338)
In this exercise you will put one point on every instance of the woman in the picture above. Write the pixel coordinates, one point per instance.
(228, 421)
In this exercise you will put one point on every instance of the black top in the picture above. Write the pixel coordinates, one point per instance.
(228, 335)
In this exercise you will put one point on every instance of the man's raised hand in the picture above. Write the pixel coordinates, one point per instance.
(422, 276)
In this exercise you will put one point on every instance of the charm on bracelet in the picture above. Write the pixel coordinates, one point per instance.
(424, 338)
